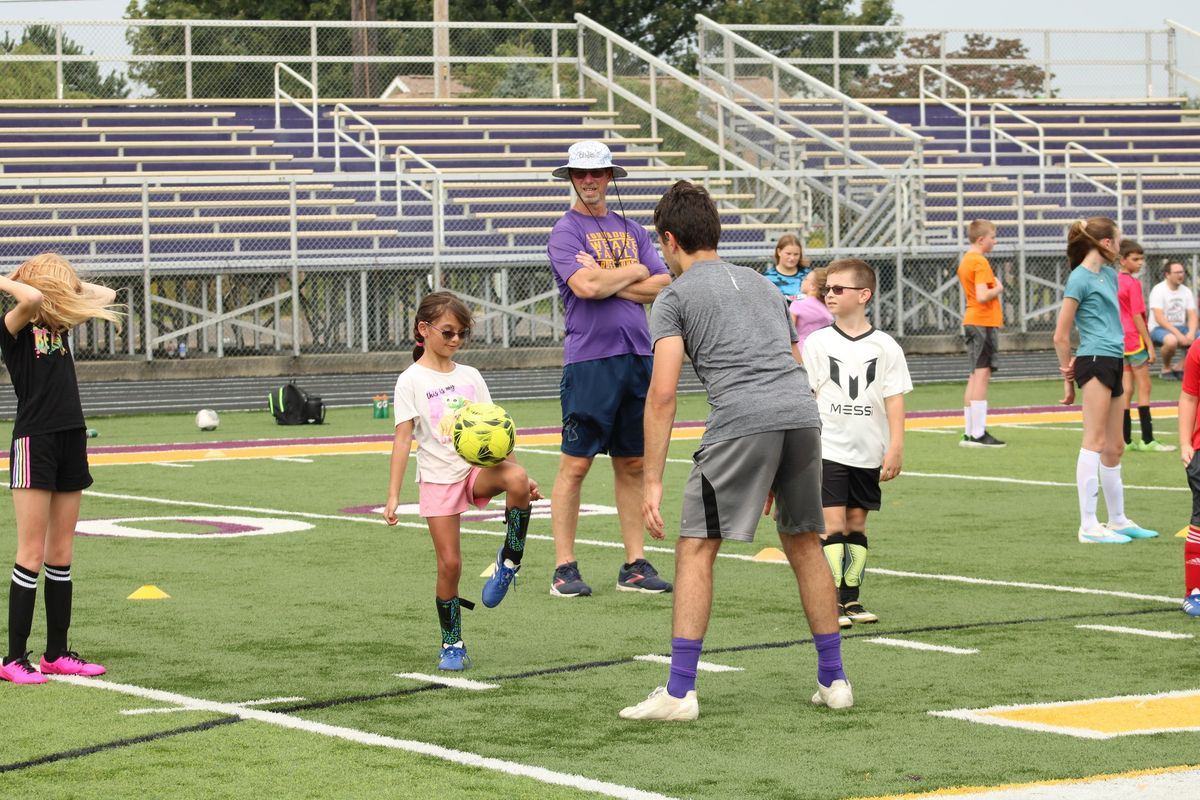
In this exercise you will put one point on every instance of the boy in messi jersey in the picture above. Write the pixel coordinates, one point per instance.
(860, 378)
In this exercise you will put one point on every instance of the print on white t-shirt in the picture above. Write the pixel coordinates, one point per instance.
(1175, 305)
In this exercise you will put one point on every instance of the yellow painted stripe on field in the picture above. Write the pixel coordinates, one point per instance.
(961, 790)
(1116, 715)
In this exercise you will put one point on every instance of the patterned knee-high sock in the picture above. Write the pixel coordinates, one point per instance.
(450, 618)
(22, 596)
(834, 547)
(58, 609)
(516, 525)
(856, 557)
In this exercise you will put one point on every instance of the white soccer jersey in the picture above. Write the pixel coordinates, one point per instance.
(851, 378)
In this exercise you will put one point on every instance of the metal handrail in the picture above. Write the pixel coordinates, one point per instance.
(280, 93)
(1118, 192)
(340, 112)
(1173, 70)
(922, 93)
(723, 104)
(831, 92)
(437, 197)
(1039, 151)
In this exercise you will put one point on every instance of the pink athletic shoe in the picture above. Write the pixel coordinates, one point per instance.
(70, 663)
(21, 671)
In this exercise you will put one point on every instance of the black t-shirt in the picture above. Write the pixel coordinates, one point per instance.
(43, 375)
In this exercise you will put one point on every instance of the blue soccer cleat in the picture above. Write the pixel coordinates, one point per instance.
(453, 658)
(1191, 604)
(1133, 530)
(497, 585)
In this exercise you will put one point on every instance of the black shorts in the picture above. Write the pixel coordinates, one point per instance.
(1193, 479)
(982, 344)
(1106, 369)
(53, 461)
(851, 487)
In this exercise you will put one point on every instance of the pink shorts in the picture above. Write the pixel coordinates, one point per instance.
(448, 499)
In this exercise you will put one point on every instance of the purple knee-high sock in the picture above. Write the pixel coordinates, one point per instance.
(829, 657)
(685, 654)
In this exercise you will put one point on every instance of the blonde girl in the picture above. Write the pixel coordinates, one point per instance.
(48, 459)
(428, 394)
(1090, 305)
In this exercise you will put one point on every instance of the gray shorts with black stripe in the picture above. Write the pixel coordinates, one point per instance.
(725, 493)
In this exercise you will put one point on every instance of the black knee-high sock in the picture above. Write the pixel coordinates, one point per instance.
(22, 596)
(516, 525)
(58, 609)
(450, 618)
(1127, 427)
(856, 564)
(1147, 424)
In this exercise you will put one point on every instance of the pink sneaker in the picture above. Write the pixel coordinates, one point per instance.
(21, 671)
(70, 663)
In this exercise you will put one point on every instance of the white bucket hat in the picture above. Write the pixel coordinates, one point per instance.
(588, 155)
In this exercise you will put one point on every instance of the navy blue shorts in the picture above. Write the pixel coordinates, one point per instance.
(53, 461)
(603, 402)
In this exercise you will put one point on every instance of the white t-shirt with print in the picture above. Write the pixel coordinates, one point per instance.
(433, 399)
(852, 377)
(1175, 305)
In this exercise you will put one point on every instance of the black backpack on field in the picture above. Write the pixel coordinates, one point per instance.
(291, 405)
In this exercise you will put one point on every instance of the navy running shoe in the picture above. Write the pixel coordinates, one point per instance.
(497, 585)
(641, 576)
(567, 582)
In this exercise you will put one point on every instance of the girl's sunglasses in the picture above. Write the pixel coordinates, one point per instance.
(837, 290)
(448, 334)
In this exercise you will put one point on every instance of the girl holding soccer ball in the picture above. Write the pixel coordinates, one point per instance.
(48, 460)
(428, 396)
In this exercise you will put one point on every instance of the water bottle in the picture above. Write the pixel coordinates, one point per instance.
(92, 433)
(182, 349)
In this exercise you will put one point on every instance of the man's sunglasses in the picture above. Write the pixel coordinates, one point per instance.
(449, 333)
(837, 290)
(601, 172)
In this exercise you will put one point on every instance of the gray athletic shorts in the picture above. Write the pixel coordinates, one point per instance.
(982, 344)
(725, 493)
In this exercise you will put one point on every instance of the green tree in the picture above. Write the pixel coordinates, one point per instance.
(36, 79)
(1009, 79)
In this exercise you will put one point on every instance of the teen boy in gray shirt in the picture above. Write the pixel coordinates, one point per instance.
(762, 442)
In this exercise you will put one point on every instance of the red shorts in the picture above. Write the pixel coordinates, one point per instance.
(448, 499)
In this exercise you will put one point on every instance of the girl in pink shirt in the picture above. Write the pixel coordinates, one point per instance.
(808, 311)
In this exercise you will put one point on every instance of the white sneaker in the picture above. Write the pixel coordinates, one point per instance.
(835, 695)
(662, 706)
(1102, 535)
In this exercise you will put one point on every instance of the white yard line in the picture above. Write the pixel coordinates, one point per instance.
(266, 701)
(292, 459)
(454, 683)
(1037, 427)
(1046, 587)
(462, 757)
(937, 648)
(702, 666)
(173, 464)
(1136, 631)
(1027, 482)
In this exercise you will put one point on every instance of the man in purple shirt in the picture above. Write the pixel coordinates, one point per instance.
(607, 270)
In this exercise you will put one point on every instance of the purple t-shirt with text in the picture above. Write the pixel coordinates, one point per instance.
(612, 326)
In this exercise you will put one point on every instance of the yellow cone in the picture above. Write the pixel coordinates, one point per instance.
(490, 571)
(149, 592)
(769, 554)
(1182, 533)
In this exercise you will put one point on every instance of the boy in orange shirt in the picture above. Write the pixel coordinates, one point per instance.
(981, 329)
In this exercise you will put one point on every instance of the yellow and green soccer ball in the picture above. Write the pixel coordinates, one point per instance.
(484, 434)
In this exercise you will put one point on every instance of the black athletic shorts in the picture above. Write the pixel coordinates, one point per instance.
(1193, 479)
(1106, 369)
(54, 461)
(851, 487)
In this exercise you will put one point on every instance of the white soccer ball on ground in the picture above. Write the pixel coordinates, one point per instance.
(207, 419)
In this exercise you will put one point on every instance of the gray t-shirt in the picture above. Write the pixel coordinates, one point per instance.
(737, 332)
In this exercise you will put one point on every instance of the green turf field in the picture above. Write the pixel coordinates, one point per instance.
(319, 623)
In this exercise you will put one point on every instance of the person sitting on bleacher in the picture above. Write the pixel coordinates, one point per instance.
(1172, 317)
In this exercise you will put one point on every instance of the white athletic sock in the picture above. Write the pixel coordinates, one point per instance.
(1087, 484)
(968, 422)
(979, 417)
(1114, 495)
